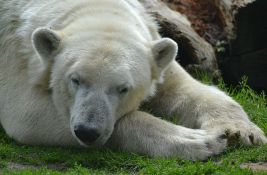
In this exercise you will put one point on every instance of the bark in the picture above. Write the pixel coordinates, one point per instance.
(194, 51)
(228, 10)
(235, 29)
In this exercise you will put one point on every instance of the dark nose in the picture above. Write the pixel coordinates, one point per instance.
(85, 134)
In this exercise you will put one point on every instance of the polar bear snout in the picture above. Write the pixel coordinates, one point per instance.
(86, 134)
(92, 119)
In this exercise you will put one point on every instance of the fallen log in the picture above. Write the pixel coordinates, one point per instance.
(235, 29)
(194, 51)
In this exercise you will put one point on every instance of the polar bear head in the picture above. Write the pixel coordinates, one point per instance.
(96, 79)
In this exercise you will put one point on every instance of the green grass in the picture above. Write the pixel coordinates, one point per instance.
(80, 161)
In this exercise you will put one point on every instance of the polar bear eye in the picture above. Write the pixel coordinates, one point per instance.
(123, 89)
(75, 80)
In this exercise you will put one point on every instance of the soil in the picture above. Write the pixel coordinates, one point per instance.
(18, 166)
(261, 166)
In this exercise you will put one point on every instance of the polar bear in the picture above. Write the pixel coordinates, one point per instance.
(75, 73)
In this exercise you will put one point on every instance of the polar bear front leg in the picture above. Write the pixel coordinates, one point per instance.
(200, 106)
(143, 133)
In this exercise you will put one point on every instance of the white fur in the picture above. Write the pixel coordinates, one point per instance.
(109, 43)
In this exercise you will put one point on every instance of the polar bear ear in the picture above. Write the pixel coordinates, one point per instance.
(165, 51)
(46, 42)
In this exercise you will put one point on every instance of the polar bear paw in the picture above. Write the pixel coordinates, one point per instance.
(239, 132)
(203, 148)
(247, 134)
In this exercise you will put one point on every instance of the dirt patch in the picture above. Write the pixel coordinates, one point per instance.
(261, 166)
(18, 166)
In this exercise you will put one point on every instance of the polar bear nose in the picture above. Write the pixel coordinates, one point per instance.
(86, 135)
